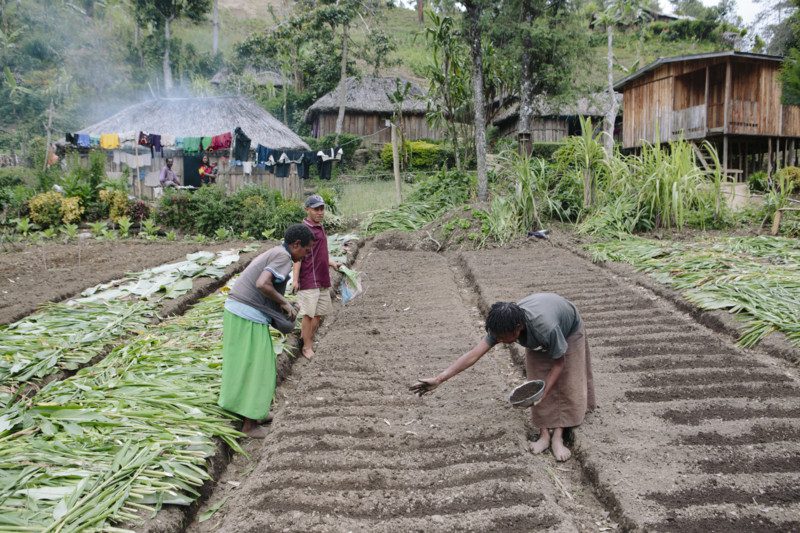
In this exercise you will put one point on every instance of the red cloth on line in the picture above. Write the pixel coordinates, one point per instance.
(221, 142)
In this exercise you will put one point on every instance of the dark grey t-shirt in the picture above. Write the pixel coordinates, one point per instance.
(277, 261)
(549, 320)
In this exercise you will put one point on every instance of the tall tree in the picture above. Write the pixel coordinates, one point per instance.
(215, 28)
(421, 11)
(547, 61)
(162, 13)
(616, 12)
(448, 77)
(474, 33)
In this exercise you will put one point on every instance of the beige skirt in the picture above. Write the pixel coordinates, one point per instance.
(573, 396)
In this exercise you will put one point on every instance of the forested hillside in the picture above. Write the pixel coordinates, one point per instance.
(91, 57)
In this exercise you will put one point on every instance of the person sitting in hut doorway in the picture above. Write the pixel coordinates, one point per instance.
(168, 178)
(249, 371)
(557, 351)
(312, 277)
(207, 171)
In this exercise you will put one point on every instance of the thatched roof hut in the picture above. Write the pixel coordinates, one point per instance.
(196, 117)
(202, 117)
(367, 107)
(261, 78)
(553, 119)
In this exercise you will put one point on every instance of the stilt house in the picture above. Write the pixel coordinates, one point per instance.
(730, 99)
(367, 107)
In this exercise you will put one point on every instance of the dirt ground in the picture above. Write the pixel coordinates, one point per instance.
(31, 275)
(691, 432)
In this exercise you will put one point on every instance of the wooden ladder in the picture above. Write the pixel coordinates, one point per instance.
(701, 156)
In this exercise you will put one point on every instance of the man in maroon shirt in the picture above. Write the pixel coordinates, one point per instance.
(312, 279)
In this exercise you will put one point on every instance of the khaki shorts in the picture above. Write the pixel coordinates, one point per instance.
(314, 302)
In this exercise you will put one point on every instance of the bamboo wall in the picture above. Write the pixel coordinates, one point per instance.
(675, 99)
(363, 124)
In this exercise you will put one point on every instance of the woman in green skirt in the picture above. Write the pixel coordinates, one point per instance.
(248, 359)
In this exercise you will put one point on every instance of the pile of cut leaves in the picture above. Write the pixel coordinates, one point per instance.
(67, 335)
(121, 438)
(756, 278)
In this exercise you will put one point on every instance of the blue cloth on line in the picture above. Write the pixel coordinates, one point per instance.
(247, 312)
(84, 141)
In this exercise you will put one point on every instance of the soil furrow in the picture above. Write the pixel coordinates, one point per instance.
(633, 439)
(352, 449)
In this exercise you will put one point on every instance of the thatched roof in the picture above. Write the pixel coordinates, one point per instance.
(260, 77)
(196, 117)
(370, 95)
(593, 105)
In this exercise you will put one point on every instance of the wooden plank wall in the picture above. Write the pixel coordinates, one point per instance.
(362, 124)
(755, 107)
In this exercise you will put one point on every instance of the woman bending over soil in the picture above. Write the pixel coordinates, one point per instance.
(557, 351)
(248, 359)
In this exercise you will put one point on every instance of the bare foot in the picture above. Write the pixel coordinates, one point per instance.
(542, 444)
(307, 352)
(560, 452)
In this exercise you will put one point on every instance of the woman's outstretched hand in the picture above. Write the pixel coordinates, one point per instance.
(424, 386)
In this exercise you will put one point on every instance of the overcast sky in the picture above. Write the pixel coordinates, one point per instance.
(747, 9)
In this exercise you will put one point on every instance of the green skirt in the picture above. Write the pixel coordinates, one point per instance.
(248, 367)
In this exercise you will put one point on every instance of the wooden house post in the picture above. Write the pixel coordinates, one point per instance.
(727, 117)
(769, 158)
(708, 114)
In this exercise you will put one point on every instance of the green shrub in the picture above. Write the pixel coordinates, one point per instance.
(46, 208)
(789, 178)
(12, 176)
(14, 202)
(545, 149)
(757, 181)
(420, 155)
(211, 209)
(175, 210)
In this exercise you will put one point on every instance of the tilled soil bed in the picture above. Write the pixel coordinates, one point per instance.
(691, 433)
(31, 275)
(351, 449)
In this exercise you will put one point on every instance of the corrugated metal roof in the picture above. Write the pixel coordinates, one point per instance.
(693, 57)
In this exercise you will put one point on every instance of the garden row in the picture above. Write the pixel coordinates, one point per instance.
(66, 335)
(124, 436)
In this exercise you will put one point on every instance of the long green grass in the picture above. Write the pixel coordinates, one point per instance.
(755, 278)
(358, 198)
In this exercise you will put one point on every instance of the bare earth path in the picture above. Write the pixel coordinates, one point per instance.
(691, 433)
(352, 450)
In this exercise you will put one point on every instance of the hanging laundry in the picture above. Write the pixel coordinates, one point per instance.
(127, 136)
(94, 140)
(144, 139)
(84, 141)
(109, 141)
(167, 141)
(221, 142)
(265, 158)
(205, 143)
(282, 166)
(71, 138)
(331, 154)
(117, 157)
(191, 145)
(326, 159)
(155, 143)
(304, 166)
(247, 167)
(241, 149)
